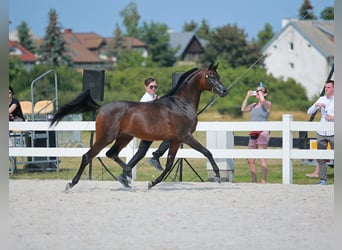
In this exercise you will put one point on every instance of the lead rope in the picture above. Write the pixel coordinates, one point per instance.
(214, 97)
(212, 100)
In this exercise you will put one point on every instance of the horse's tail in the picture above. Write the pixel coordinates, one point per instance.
(82, 103)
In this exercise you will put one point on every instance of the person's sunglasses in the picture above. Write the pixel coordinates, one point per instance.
(153, 86)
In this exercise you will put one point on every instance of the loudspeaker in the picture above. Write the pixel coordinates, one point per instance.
(41, 139)
(175, 78)
(94, 80)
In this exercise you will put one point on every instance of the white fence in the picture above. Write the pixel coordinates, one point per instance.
(287, 153)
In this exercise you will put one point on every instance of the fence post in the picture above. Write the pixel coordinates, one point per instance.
(217, 140)
(287, 170)
(133, 148)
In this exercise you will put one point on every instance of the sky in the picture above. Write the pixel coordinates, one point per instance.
(102, 16)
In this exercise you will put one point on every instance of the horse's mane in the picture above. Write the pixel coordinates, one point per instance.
(184, 77)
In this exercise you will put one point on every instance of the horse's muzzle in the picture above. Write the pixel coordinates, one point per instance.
(221, 91)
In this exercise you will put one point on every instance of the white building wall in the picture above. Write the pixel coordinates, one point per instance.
(291, 56)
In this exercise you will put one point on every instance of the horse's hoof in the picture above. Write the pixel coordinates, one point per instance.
(217, 179)
(68, 186)
(123, 181)
(150, 185)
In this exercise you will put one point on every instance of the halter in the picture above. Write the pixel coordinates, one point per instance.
(213, 98)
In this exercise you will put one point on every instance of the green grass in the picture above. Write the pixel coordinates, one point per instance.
(145, 172)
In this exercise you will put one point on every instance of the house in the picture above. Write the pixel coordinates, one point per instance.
(83, 49)
(88, 49)
(132, 43)
(190, 46)
(304, 51)
(15, 49)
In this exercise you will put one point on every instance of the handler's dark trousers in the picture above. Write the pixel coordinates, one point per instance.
(322, 142)
(161, 150)
(142, 149)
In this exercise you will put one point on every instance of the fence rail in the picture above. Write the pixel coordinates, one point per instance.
(287, 153)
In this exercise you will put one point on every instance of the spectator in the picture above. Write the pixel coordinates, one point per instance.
(259, 111)
(14, 111)
(314, 174)
(326, 105)
(14, 108)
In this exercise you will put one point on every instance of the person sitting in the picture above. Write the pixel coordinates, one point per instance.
(14, 109)
(15, 112)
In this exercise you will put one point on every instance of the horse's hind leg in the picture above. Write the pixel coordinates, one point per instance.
(86, 158)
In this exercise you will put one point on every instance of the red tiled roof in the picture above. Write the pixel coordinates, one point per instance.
(131, 42)
(79, 51)
(16, 49)
(86, 47)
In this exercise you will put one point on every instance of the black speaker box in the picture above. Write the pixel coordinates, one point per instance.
(175, 78)
(94, 80)
(41, 139)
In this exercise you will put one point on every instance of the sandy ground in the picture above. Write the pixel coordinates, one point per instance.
(175, 215)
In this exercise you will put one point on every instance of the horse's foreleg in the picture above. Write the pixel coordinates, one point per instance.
(169, 162)
(192, 142)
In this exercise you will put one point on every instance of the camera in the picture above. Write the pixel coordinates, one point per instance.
(254, 92)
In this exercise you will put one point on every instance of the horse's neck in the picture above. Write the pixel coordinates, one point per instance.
(190, 95)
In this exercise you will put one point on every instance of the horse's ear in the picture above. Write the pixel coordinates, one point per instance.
(215, 66)
(210, 66)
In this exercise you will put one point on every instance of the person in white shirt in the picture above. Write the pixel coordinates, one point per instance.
(150, 95)
(151, 87)
(326, 105)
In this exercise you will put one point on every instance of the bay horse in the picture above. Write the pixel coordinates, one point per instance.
(173, 118)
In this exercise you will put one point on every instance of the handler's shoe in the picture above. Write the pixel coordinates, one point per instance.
(155, 163)
(322, 182)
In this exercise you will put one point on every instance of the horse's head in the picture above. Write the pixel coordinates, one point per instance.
(212, 82)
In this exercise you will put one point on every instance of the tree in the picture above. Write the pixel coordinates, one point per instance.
(15, 66)
(229, 43)
(306, 11)
(327, 13)
(265, 35)
(116, 44)
(131, 19)
(156, 37)
(201, 31)
(25, 37)
(189, 27)
(53, 50)
(129, 58)
(204, 30)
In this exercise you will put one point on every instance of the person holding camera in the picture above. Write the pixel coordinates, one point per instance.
(259, 111)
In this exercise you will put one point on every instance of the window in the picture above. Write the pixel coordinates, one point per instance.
(291, 45)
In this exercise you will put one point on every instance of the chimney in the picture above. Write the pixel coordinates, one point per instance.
(286, 21)
(68, 31)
